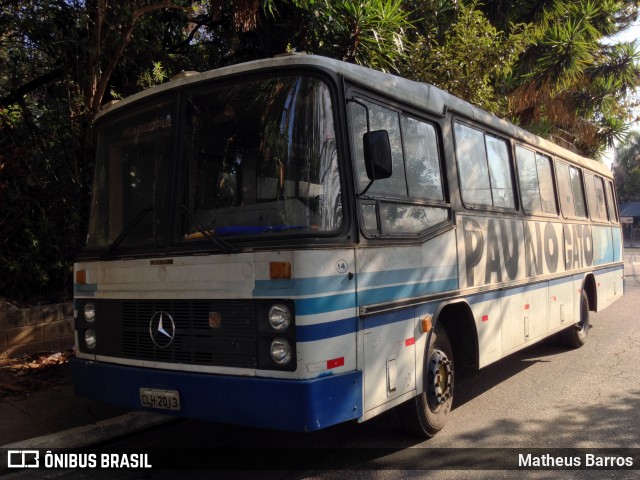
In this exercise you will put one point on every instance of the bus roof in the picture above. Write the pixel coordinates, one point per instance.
(421, 95)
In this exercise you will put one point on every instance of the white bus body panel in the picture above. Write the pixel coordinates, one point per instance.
(393, 344)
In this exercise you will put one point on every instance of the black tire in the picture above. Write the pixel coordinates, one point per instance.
(576, 335)
(426, 414)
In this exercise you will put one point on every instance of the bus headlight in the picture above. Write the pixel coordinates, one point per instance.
(89, 312)
(90, 338)
(279, 317)
(280, 351)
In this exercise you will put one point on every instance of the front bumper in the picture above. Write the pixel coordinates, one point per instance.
(294, 405)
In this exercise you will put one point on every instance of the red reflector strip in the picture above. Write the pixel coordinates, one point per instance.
(485, 318)
(410, 341)
(335, 363)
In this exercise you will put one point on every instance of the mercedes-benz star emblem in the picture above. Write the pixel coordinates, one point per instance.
(162, 329)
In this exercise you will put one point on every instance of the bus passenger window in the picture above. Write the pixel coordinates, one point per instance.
(536, 182)
(595, 197)
(571, 193)
(421, 155)
(547, 187)
(578, 192)
(472, 162)
(500, 172)
(484, 168)
(613, 214)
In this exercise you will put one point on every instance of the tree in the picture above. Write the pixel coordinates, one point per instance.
(539, 62)
(66, 58)
(471, 58)
(53, 83)
(569, 84)
(627, 169)
(370, 33)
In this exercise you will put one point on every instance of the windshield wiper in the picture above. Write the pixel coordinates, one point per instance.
(132, 224)
(210, 235)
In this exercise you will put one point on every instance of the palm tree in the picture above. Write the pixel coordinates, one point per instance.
(571, 85)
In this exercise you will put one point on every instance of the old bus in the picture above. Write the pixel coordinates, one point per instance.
(297, 242)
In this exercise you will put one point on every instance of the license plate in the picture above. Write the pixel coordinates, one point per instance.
(160, 399)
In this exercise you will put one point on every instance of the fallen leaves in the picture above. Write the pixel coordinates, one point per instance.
(27, 374)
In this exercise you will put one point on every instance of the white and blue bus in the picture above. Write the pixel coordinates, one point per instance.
(297, 242)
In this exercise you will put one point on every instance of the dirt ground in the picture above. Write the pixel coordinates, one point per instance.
(28, 374)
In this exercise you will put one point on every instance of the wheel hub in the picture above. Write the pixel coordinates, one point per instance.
(441, 377)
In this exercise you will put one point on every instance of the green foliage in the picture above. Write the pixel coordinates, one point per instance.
(570, 78)
(541, 63)
(154, 76)
(627, 169)
(472, 60)
(41, 196)
(369, 33)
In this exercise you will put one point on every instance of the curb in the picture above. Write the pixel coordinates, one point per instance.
(95, 433)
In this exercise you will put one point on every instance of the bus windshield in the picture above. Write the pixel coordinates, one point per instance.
(254, 158)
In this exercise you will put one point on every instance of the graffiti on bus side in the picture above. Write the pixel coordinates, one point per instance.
(498, 250)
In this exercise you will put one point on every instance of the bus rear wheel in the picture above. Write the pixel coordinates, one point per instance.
(426, 414)
(576, 336)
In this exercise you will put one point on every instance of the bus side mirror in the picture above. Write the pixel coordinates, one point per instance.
(377, 154)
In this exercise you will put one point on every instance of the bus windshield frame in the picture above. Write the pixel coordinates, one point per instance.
(247, 162)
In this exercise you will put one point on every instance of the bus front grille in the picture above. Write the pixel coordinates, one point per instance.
(207, 332)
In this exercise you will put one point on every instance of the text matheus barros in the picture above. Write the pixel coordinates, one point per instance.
(586, 460)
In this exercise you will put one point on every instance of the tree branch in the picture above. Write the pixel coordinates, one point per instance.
(125, 39)
(29, 87)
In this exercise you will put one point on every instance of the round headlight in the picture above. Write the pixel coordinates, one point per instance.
(90, 338)
(89, 312)
(279, 317)
(280, 351)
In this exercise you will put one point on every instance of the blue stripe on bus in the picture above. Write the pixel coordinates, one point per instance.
(318, 285)
(406, 275)
(618, 268)
(331, 303)
(328, 303)
(298, 287)
(388, 318)
(602, 245)
(617, 251)
(400, 292)
(84, 290)
(322, 331)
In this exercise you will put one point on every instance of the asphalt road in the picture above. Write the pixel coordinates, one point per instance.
(545, 397)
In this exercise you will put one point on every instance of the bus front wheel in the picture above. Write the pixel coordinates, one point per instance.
(426, 414)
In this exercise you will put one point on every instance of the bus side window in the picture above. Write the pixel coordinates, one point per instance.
(422, 159)
(547, 186)
(381, 118)
(484, 168)
(595, 197)
(528, 179)
(578, 192)
(395, 206)
(611, 206)
(499, 172)
(536, 182)
(571, 192)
